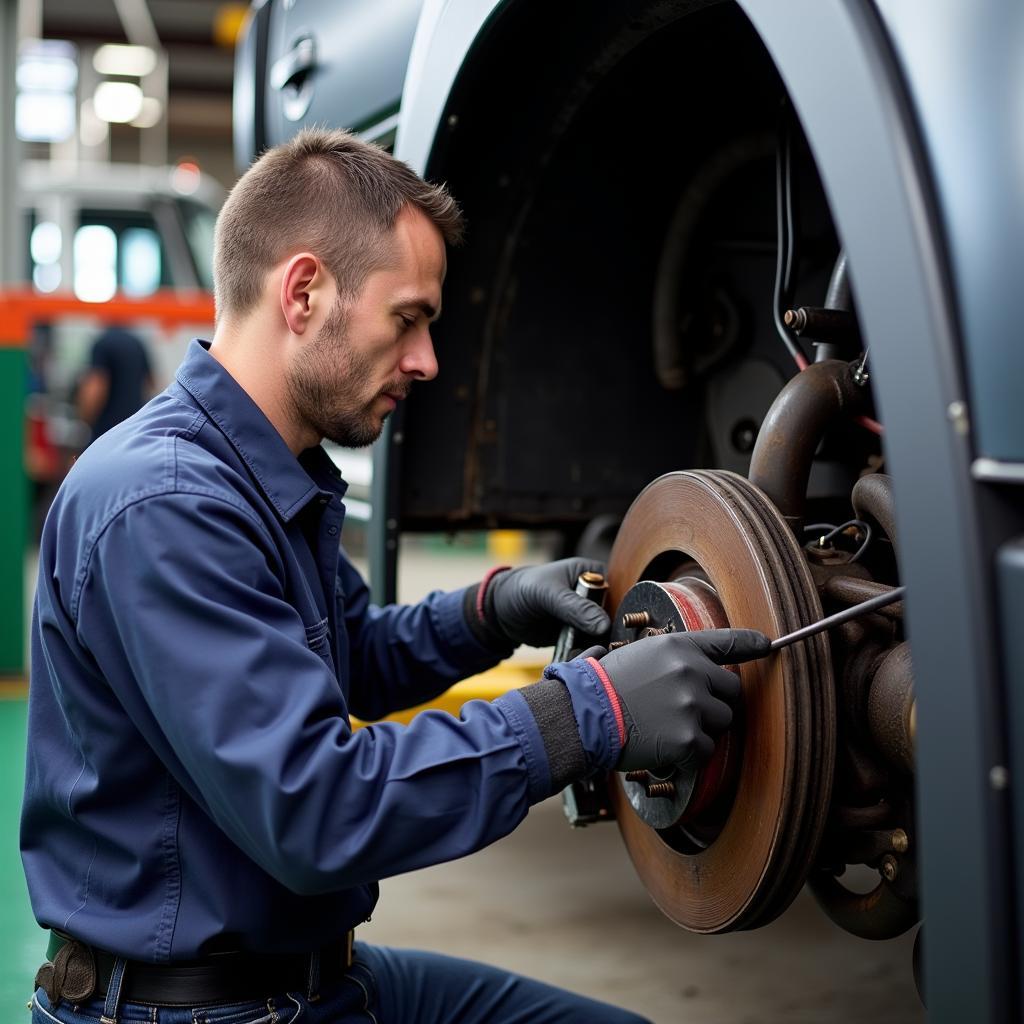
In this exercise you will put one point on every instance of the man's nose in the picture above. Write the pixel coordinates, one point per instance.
(418, 360)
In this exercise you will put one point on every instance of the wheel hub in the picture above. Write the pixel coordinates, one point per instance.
(651, 609)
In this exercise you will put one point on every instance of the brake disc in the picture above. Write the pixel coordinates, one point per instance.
(737, 859)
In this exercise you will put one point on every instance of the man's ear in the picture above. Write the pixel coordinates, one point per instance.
(303, 279)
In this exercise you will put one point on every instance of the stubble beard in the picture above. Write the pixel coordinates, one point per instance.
(327, 387)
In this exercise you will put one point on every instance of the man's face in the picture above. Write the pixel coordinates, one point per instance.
(366, 355)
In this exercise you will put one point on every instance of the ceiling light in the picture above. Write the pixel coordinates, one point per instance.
(118, 102)
(150, 113)
(44, 116)
(119, 59)
(47, 65)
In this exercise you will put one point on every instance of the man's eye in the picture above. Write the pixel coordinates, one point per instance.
(407, 322)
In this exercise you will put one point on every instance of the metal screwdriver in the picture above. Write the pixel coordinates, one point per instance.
(853, 612)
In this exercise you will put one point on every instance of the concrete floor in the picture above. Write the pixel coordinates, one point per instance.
(565, 906)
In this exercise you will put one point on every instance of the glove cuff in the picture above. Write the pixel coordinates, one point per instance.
(477, 608)
(551, 707)
(618, 708)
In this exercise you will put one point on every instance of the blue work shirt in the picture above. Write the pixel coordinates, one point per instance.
(198, 643)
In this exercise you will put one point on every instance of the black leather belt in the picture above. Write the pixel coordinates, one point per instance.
(223, 977)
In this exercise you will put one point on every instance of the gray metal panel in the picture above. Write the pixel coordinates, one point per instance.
(247, 114)
(446, 33)
(361, 49)
(963, 63)
(841, 77)
(1010, 562)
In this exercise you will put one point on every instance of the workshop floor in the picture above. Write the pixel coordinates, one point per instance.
(559, 904)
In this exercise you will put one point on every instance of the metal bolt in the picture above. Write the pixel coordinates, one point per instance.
(658, 632)
(998, 777)
(890, 867)
(661, 789)
(900, 841)
(453, 120)
(637, 776)
(634, 620)
(795, 319)
(744, 435)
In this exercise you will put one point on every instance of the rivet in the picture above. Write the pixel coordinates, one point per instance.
(998, 777)
(890, 867)
(957, 413)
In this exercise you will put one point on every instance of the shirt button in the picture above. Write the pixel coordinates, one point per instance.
(324, 501)
(332, 530)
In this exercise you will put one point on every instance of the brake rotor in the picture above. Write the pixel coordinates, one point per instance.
(739, 865)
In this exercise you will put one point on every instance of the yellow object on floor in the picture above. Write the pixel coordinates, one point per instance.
(486, 686)
(507, 545)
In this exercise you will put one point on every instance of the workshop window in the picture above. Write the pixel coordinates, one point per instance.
(118, 250)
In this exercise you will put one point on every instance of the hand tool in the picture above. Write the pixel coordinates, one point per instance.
(594, 587)
(853, 612)
(586, 801)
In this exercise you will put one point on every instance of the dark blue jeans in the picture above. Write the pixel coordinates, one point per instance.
(384, 986)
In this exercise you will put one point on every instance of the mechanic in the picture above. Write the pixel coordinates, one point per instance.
(202, 829)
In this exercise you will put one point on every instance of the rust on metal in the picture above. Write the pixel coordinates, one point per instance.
(872, 498)
(661, 789)
(744, 869)
(884, 913)
(853, 590)
(891, 708)
(780, 466)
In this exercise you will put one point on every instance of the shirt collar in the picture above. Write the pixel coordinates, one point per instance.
(289, 483)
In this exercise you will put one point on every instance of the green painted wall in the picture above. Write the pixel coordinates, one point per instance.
(24, 943)
(13, 511)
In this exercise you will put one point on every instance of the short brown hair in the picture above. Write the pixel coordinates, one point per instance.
(325, 191)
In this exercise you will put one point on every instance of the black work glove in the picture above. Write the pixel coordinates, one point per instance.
(531, 605)
(675, 695)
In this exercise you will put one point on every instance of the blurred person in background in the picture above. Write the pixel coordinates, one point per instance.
(117, 382)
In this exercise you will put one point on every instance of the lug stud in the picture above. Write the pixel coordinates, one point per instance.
(635, 620)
